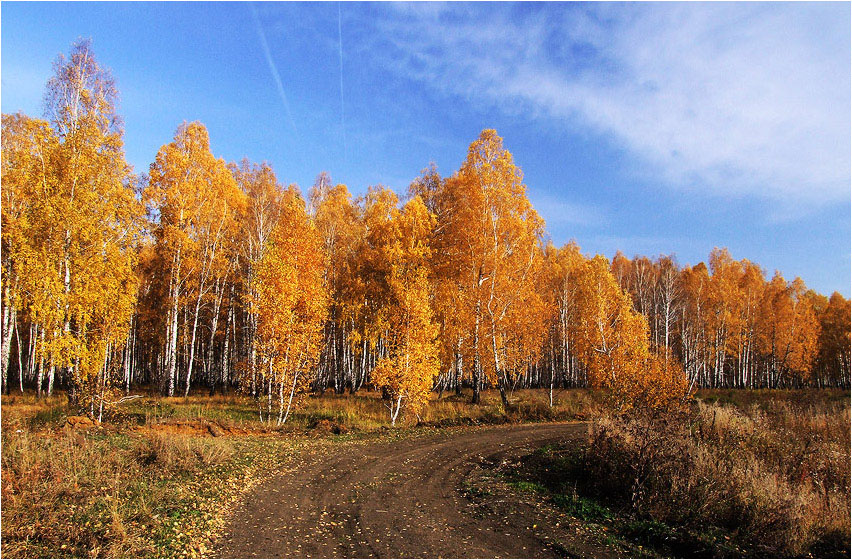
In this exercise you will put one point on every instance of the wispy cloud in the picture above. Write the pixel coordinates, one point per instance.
(273, 68)
(728, 99)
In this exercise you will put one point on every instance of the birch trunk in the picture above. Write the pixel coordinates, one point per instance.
(476, 363)
(31, 367)
(395, 408)
(192, 343)
(9, 321)
(290, 401)
(208, 366)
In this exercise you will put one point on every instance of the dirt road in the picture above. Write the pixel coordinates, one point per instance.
(402, 498)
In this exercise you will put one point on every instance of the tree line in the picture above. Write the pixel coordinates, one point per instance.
(208, 274)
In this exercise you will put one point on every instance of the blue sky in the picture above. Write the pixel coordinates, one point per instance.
(650, 128)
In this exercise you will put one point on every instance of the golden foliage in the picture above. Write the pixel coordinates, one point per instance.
(290, 301)
(411, 364)
(71, 222)
(458, 281)
(198, 202)
(488, 260)
(611, 338)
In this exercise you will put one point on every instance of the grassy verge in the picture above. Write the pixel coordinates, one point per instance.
(557, 475)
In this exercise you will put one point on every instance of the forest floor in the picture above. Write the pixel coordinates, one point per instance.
(203, 477)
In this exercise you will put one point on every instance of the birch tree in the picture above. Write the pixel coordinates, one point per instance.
(614, 342)
(411, 364)
(337, 221)
(493, 239)
(265, 200)
(27, 176)
(291, 304)
(196, 200)
(84, 228)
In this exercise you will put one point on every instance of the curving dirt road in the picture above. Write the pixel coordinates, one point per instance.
(401, 498)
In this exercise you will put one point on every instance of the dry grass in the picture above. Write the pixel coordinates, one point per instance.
(365, 411)
(772, 476)
(117, 493)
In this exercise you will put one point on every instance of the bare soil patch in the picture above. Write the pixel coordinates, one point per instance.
(406, 498)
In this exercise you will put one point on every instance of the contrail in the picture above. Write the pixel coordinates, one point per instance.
(273, 68)
(340, 50)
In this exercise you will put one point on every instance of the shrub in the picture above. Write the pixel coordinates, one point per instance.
(776, 480)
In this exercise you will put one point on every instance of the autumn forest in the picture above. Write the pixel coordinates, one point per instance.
(201, 275)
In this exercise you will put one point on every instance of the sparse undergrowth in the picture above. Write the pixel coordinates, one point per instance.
(365, 411)
(555, 474)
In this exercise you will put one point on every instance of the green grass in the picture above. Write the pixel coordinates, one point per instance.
(527, 486)
(475, 491)
(582, 508)
(553, 472)
(52, 415)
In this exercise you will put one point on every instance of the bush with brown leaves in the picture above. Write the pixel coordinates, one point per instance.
(774, 479)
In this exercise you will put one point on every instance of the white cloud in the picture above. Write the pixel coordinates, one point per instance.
(731, 99)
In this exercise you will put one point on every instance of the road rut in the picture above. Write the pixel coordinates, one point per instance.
(389, 499)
